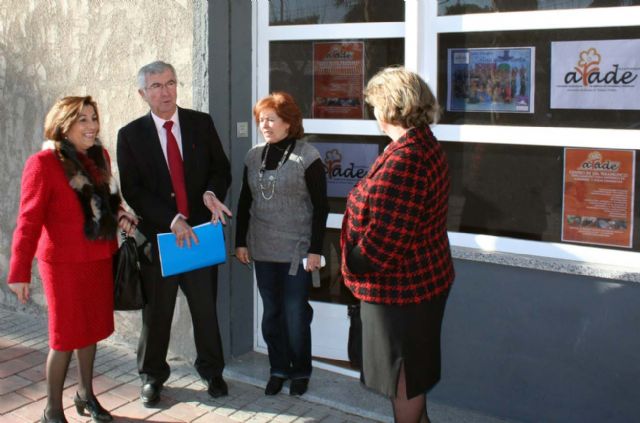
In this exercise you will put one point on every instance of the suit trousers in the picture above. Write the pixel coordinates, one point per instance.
(200, 287)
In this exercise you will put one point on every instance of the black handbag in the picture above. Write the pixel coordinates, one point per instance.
(127, 277)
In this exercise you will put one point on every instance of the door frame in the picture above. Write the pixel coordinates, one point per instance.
(330, 326)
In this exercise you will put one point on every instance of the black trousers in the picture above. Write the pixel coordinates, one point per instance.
(201, 290)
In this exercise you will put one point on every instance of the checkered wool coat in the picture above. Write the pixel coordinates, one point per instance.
(397, 215)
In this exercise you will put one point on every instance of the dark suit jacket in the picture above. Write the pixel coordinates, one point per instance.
(144, 174)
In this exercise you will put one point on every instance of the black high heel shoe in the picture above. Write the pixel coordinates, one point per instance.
(96, 411)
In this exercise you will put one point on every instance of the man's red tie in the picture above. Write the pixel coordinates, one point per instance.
(176, 169)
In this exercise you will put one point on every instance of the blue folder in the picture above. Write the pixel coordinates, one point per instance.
(210, 250)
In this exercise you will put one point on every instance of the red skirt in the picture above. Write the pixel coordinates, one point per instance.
(80, 301)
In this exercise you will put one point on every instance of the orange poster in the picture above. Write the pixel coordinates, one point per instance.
(598, 196)
(338, 80)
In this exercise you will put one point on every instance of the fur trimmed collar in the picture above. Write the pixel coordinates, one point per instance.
(90, 177)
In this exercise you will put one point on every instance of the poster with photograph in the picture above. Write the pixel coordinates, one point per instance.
(345, 164)
(597, 205)
(601, 75)
(338, 80)
(491, 79)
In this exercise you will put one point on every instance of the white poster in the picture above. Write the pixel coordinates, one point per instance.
(345, 164)
(601, 74)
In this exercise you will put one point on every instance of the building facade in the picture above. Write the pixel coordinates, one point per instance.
(540, 120)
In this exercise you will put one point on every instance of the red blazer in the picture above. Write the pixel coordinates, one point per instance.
(50, 220)
(397, 215)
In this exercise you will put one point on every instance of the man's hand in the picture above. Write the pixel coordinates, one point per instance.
(216, 207)
(21, 289)
(184, 233)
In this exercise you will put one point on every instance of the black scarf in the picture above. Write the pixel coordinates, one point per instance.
(99, 201)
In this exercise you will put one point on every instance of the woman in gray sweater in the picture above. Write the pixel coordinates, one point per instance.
(282, 213)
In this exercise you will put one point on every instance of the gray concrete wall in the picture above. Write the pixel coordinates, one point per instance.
(540, 346)
(230, 97)
(49, 49)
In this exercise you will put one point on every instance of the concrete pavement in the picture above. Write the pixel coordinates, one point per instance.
(331, 398)
(23, 349)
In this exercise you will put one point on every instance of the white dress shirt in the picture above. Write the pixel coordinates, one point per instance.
(162, 134)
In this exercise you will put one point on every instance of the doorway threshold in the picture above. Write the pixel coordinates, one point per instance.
(335, 390)
(335, 366)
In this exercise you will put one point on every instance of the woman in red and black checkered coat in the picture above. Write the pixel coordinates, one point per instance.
(395, 250)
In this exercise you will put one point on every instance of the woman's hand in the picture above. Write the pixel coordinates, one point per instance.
(127, 222)
(21, 289)
(242, 254)
(313, 262)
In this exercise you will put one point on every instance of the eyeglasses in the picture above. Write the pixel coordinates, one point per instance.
(156, 86)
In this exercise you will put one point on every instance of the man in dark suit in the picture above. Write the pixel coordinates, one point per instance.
(175, 175)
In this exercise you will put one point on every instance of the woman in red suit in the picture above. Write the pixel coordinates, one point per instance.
(395, 250)
(69, 214)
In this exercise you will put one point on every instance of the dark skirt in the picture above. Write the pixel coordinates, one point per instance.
(393, 335)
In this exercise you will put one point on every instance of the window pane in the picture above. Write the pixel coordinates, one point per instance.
(451, 52)
(332, 289)
(510, 190)
(338, 89)
(460, 7)
(346, 159)
(306, 12)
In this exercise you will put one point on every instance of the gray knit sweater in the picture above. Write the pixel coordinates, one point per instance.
(280, 227)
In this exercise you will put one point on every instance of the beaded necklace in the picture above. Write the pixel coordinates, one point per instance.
(268, 191)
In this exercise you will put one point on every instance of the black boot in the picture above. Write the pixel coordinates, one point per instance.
(274, 385)
(298, 387)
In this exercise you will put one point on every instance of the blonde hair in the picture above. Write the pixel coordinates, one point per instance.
(401, 97)
(63, 114)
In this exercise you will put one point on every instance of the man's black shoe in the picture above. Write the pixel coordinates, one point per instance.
(298, 387)
(218, 387)
(150, 394)
(274, 385)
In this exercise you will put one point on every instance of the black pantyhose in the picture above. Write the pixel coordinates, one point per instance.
(86, 357)
(56, 370)
(406, 410)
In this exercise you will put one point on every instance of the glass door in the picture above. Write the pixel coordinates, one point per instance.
(322, 52)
